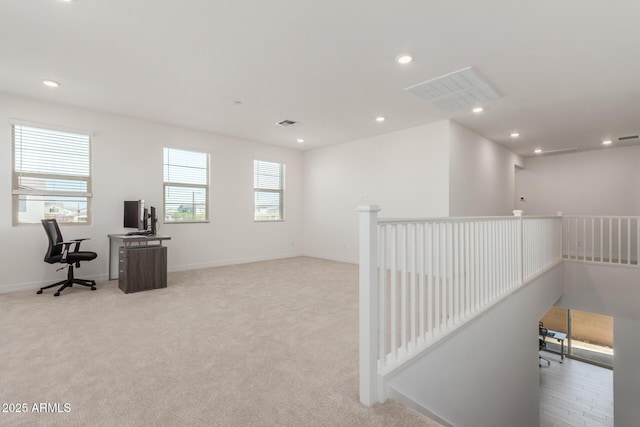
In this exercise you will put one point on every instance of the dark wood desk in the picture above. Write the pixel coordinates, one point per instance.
(142, 262)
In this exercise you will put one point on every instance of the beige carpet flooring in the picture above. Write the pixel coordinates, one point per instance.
(262, 344)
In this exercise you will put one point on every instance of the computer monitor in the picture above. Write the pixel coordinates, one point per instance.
(134, 214)
(145, 222)
(154, 220)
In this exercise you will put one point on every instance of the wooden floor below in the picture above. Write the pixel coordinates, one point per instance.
(575, 393)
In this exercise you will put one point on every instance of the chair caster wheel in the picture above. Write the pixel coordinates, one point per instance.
(93, 288)
(57, 294)
(39, 292)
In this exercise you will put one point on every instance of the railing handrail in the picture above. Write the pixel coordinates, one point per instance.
(460, 219)
(601, 216)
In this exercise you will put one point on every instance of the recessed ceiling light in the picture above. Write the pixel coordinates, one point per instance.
(478, 110)
(606, 142)
(514, 134)
(50, 83)
(404, 59)
(537, 150)
(300, 140)
(380, 119)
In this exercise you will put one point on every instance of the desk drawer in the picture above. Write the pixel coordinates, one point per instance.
(122, 264)
(142, 268)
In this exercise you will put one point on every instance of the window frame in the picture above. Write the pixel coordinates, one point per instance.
(17, 192)
(279, 191)
(205, 186)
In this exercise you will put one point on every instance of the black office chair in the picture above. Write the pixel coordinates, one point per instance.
(542, 343)
(59, 251)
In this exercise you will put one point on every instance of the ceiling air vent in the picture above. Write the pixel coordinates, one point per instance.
(286, 123)
(624, 138)
(554, 152)
(461, 89)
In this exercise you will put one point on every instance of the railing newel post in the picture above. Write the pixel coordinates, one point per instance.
(520, 246)
(560, 215)
(368, 313)
(638, 241)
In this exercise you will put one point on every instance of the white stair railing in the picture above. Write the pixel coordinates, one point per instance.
(601, 239)
(420, 279)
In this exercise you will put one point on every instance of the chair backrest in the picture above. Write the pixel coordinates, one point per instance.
(542, 340)
(55, 238)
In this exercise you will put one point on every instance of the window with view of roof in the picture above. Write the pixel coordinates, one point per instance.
(51, 175)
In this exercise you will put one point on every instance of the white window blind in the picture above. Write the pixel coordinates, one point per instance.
(268, 183)
(51, 175)
(186, 186)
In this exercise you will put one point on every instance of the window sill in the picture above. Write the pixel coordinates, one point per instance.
(185, 222)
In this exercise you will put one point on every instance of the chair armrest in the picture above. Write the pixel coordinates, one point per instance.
(67, 246)
(77, 242)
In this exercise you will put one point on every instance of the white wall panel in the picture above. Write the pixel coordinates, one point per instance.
(405, 172)
(600, 182)
(482, 175)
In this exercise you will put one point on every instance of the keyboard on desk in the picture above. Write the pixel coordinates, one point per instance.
(139, 233)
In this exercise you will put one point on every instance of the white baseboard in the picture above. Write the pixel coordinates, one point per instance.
(19, 287)
(332, 258)
(232, 261)
(30, 286)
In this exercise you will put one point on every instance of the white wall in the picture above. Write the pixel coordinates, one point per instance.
(127, 165)
(405, 172)
(482, 175)
(600, 182)
(626, 375)
(612, 291)
(486, 374)
(440, 169)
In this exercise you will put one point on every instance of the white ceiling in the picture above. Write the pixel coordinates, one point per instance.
(568, 70)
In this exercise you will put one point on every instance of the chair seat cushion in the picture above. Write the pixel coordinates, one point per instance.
(73, 257)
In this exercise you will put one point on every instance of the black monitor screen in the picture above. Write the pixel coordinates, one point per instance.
(133, 213)
(154, 220)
